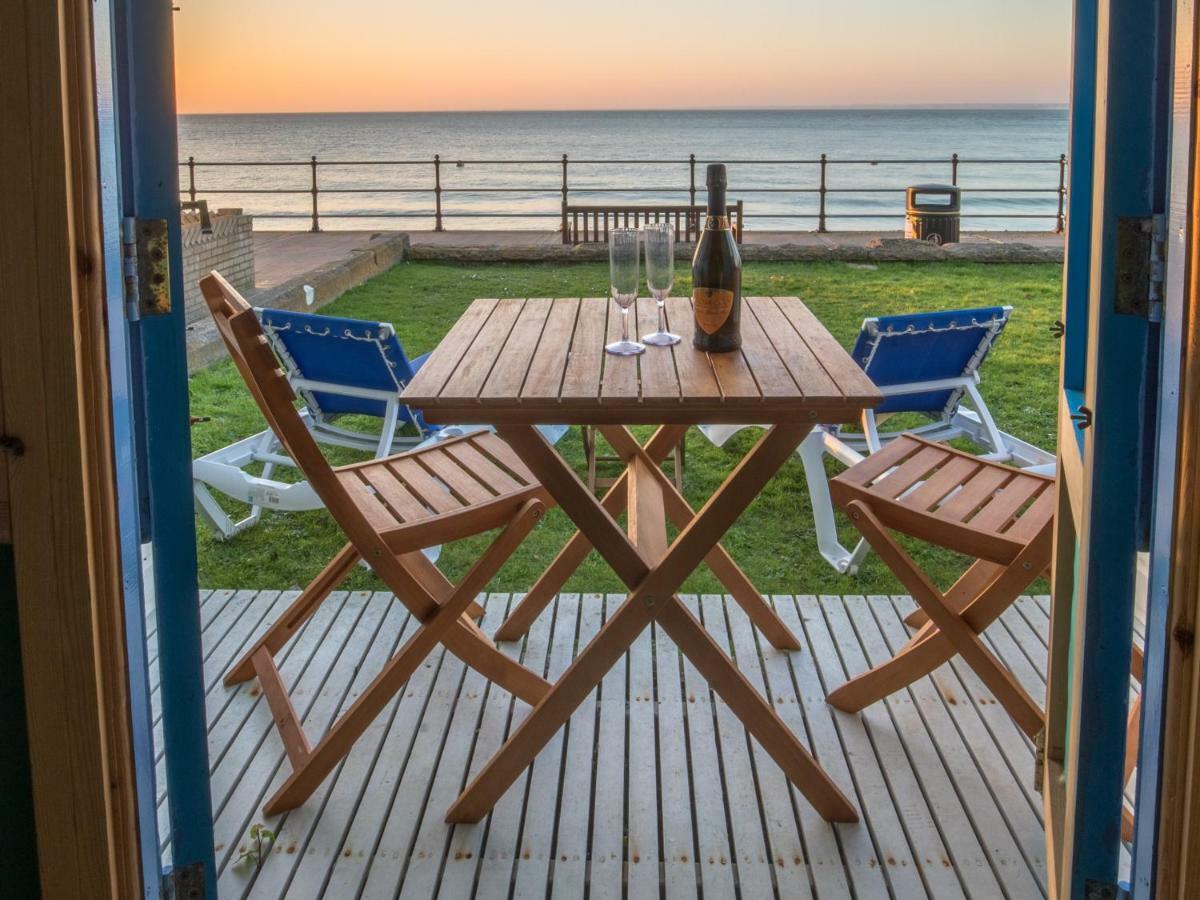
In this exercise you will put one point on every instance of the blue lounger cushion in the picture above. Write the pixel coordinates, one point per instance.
(927, 347)
(348, 352)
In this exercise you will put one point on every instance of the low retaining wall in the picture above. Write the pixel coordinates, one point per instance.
(884, 249)
(229, 248)
(328, 282)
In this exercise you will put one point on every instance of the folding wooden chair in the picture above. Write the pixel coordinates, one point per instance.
(390, 509)
(1001, 516)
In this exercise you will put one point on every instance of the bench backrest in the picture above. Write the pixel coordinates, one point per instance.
(586, 224)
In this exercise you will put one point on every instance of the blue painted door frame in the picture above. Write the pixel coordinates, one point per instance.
(144, 50)
(125, 406)
(1120, 380)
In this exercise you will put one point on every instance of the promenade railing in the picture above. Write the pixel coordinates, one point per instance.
(444, 207)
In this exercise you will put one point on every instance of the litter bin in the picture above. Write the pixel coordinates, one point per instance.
(932, 213)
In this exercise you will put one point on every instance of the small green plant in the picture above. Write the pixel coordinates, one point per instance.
(261, 839)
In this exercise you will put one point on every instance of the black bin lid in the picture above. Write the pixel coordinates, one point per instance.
(933, 198)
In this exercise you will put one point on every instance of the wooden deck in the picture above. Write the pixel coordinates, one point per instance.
(654, 788)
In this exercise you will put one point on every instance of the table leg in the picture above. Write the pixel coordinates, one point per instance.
(577, 548)
(723, 566)
(652, 597)
(728, 572)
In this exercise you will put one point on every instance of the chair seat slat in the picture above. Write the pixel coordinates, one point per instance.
(367, 502)
(427, 489)
(1034, 518)
(914, 469)
(896, 452)
(1007, 503)
(495, 447)
(470, 489)
(941, 483)
(405, 506)
(483, 468)
(974, 494)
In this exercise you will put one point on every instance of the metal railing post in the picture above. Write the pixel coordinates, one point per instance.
(192, 179)
(954, 169)
(316, 218)
(821, 196)
(565, 235)
(1060, 221)
(692, 179)
(437, 192)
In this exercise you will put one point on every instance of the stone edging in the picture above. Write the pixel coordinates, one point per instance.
(877, 250)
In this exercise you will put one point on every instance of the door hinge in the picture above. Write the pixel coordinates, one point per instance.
(1140, 266)
(145, 267)
(184, 883)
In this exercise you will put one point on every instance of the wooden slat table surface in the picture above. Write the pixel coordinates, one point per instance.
(542, 360)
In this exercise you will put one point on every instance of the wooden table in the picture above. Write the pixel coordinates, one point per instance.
(516, 364)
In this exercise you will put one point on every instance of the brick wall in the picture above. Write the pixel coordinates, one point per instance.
(229, 250)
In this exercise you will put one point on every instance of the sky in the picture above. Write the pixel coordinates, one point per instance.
(391, 55)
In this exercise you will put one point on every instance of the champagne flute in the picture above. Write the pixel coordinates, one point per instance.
(623, 277)
(660, 276)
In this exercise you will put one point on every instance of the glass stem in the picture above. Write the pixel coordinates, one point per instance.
(624, 324)
(662, 325)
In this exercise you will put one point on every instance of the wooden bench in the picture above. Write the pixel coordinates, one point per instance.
(590, 224)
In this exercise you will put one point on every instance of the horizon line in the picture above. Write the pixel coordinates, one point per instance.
(1053, 104)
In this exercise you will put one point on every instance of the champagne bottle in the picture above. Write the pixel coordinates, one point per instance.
(717, 275)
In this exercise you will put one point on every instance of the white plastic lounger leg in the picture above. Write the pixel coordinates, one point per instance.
(992, 436)
(812, 455)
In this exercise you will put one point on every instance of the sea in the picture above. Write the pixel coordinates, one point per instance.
(505, 169)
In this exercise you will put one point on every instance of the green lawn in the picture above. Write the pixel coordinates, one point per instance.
(774, 540)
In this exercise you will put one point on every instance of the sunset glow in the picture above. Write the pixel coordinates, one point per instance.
(321, 55)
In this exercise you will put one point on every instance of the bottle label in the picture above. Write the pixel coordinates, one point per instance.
(712, 306)
(716, 223)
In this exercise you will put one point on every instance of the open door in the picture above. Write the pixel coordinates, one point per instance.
(1116, 396)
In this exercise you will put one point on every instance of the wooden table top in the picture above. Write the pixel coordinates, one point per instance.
(543, 361)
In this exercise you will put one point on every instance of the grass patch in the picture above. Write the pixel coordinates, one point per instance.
(774, 541)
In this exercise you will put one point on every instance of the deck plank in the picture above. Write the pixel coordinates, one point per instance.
(537, 831)
(305, 832)
(498, 857)
(930, 732)
(569, 875)
(642, 858)
(787, 853)
(712, 831)
(426, 860)
(465, 848)
(654, 787)
(675, 787)
(988, 776)
(606, 872)
(749, 846)
(883, 815)
(837, 855)
(945, 859)
(316, 694)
